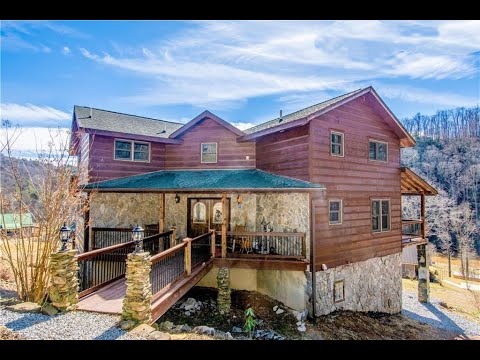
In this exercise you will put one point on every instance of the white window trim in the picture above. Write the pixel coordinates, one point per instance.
(343, 143)
(368, 152)
(132, 150)
(216, 153)
(340, 212)
(380, 215)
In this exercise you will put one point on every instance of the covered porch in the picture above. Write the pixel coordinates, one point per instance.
(413, 228)
(258, 220)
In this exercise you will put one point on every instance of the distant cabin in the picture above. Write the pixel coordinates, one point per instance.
(11, 221)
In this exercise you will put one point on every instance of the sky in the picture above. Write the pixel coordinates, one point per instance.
(243, 71)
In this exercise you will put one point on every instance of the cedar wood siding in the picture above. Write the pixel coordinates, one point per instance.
(230, 153)
(356, 180)
(285, 153)
(104, 167)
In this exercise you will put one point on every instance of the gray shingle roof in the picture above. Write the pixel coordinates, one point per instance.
(123, 123)
(203, 179)
(300, 114)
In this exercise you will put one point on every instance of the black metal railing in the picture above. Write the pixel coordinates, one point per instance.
(167, 267)
(157, 243)
(102, 266)
(266, 244)
(201, 249)
(105, 237)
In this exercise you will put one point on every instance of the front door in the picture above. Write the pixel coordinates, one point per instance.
(204, 214)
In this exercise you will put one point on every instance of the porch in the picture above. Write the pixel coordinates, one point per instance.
(414, 229)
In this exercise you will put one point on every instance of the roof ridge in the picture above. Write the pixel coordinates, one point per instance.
(305, 108)
(121, 113)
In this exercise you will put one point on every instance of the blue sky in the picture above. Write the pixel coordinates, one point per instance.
(243, 71)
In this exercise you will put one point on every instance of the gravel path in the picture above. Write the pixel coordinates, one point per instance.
(437, 316)
(70, 326)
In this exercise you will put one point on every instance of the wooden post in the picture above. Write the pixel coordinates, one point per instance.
(173, 236)
(161, 215)
(422, 215)
(224, 225)
(188, 256)
(304, 246)
(212, 244)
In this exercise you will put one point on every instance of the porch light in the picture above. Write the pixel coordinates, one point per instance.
(177, 198)
(137, 237)
(64, 236)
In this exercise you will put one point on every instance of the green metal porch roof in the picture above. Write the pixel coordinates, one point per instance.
(189, 180)
(12, 221)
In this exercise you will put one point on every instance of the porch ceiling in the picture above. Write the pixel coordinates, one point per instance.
(203, 180)
(412, 184)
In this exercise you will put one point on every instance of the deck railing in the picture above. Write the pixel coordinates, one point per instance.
(101, 266)
(105, 237)
(412, 227)
(173, 264)
(266, 244)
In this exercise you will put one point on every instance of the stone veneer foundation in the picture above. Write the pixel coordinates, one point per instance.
(371, 285)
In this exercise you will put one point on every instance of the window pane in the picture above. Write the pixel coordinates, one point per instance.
(143, 156)
(372, 152)
(375, 223)
(334, 137)
(141, 147)
(375, 207)
(122, 154)
(335, 149)
(209, 153)
(123, 145)
(382, 151)
(334, 217)
(385, 215)
(334, 205)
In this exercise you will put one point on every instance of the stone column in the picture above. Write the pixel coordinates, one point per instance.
(63, 291)
(223, 283)
(138, 297)
(423, 274)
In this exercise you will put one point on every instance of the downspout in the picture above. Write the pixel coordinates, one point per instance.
(312, 259)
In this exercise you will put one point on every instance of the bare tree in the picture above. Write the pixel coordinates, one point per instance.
(464, 227)
(59, 200)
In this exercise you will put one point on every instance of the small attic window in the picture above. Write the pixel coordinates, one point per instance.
(209, 153)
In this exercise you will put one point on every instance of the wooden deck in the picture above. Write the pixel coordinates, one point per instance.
(409, 240)
(107, 300)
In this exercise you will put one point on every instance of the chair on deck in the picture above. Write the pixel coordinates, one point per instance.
(245, 243)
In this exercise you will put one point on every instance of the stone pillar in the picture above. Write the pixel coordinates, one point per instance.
(223, 283)
(423, 274)
(63, 291)
(138, 297)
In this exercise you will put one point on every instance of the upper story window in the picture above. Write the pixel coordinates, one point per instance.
(209, 153)
(128, 150)
(336, 143)
(378, 150)
(335, 211)
(380, 215)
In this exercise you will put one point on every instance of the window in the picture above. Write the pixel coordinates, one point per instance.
(209, 152)
(132, 151)
(335, 210)
(336, 143)
(339, 291)
(380, 215)
(378, 150)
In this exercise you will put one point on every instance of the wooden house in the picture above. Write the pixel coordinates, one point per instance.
(305, 208)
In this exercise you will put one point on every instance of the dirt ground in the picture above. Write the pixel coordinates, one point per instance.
(453, 298)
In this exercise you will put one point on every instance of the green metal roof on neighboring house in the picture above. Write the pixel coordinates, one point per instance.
(165, 180)
(12, 221)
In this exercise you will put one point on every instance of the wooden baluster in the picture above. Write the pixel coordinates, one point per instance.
(212, 243)
(224, 225)
(188, 256)
(172, 236)
(304, 246)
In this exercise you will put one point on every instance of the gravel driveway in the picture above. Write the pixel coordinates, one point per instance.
(437, 316)
(70, 326)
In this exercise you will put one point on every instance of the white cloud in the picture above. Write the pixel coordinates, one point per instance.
(66, 50)
(242, 126)
(30, 141)
(222, 64)
(29, 114)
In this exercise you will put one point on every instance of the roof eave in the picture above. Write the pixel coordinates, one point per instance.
(196, 190)
(117, 134)
(274, 129)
